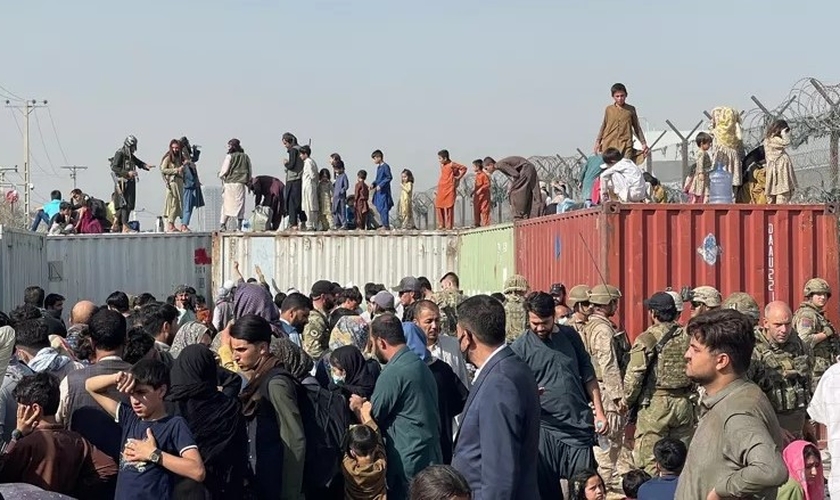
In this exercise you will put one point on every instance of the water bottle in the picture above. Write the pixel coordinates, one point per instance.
(159, 225)
(720, 185)
(603, 441)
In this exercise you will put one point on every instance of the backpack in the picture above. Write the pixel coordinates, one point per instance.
(325, 416)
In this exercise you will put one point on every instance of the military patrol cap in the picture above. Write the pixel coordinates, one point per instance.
(816, 285)
(516, 283)
(706, 295)
(604, 294)
(660, 301)
(578, 293)
(743, 303)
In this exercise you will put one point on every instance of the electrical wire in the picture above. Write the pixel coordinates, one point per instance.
(44, 143)
(10, 95)
(32, 157)
(57, 140)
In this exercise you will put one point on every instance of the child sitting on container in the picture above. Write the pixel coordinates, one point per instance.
(697, 184)
(621, 179)
(364, 460)
(657, 191)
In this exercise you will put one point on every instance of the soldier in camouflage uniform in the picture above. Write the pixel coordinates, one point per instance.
(447, 300)
(744, 304)
(704, 299)
(659, 389)
(781, 365)
(815, 330)
(516, 319)
(578, 300)
(601, 340)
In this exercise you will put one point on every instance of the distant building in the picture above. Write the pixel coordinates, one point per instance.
(206, 218)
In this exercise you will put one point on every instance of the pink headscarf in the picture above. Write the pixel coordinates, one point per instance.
(795, 461)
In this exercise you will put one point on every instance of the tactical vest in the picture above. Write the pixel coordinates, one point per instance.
(826, 352)
(620, 343)
(669, 372)
(786, 372)
(447, 301)
(516, 318)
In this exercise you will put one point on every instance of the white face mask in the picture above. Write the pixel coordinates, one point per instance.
(562, 321)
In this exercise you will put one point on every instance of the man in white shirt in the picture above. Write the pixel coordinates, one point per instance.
(621, 177)
(442, 347)
(825, 409)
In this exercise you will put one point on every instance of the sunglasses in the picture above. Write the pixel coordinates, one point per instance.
(695, 305)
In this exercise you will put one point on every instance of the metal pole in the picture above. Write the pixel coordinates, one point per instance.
(73, 169)
(27, 108)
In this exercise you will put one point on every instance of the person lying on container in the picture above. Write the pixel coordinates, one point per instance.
(621, 179)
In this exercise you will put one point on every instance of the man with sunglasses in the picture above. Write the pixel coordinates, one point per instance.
(704, 299)
(581, 308)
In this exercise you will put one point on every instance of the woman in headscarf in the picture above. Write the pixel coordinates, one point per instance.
(251, 298)
(189, 334)
(805, 467)
(216, 422)
(351, 372)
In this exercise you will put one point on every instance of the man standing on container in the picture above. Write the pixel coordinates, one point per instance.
(815, 330)
(524, 185)
(235, 175)
(736, 450)
(382, 199)
(124, 167)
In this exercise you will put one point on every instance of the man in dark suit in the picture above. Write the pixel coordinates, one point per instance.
(496, 448)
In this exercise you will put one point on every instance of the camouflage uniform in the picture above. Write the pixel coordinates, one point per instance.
(809, 321)
(598, 338)
(783, 373)
(743, 303)
(316, 337)
(447, 301)
(577, 294)
(662, 393)
(516, 318)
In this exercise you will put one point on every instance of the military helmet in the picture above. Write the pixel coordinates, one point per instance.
(816, 285)
(707, 295)
(578, 293)
(516, 283)
(743, 303)
(603, 294)
(130, 142)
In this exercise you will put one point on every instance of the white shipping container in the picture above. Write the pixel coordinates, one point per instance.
(22, 263)
(91, 267)
(297, 260)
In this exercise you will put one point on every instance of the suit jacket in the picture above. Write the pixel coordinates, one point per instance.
(501, 417)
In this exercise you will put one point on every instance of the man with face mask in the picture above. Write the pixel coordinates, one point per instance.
(782, 366)
(405, 406)
(496, 448)
(316, 334)
(124, 167)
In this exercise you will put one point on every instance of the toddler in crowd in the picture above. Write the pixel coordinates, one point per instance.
(364, 460)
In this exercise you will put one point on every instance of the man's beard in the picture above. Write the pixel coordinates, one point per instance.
(379, 356)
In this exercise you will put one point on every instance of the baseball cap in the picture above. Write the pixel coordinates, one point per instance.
(557, 289)
(660, 301)
(384, 299)
(323, 287)
(408, 284)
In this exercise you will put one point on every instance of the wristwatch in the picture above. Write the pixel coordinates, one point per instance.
(16, 434)
(155, 457)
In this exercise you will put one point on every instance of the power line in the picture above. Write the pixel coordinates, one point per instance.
(44, 143)
(20, 131)
(27, 108)
(12, 94)
(55, 131)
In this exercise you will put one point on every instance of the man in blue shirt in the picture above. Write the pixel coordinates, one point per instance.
(48, 211)
(670, 457)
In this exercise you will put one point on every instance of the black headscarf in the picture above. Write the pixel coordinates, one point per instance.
(359, 379)
(216, 421)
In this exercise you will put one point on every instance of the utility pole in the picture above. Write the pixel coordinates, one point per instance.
(26, 109)
(3, 171)
(73, 169)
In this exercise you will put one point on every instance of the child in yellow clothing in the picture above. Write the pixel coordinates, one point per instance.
(364, 460)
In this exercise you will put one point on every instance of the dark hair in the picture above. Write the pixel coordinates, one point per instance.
(119, 301)
(139, 344)
(33, 296)
(305, 150)
(632, 480)
(409, 175)
(424, 283)
(424, 305)
(337, 157)
(388, 327)
(725, 331)
(577, 485)
(618, 87)
(362, 174)
(479, 163)
(83, 349)
(157, 315)
(107, 330)
(438, 481)
(670, 454)
(278, 299)
(361, 440)
(488, 160)
(24, 313)
(498, 296)
(666, 315)
(5, 320)
(324, 173)
(252, 329)
(75, 192)
(150, 372)
(612, 156)
(484, 317)
(372, 289)
(377, 153)
(296, 301)
(32, 334)
(776, 128)
(55, 194)
(52, 299)
(443, 153)
(540, 304)
(290, 138)
(451, 276)
(352, 294)
(41, 389)
(65, 205)
(703, 138)
(648, 177)
(811, 451)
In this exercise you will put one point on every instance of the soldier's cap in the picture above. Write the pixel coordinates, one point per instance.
(557, 289)
(408, 284)
(706, 295)
(660, 301)
(384, 299)
(515, 283)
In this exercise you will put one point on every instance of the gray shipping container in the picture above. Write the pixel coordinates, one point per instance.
(22, 263)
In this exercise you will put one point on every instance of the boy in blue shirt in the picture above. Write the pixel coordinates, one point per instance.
(48, 211)
(157, 448)
(670, 457)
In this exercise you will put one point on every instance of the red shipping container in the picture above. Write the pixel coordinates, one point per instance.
(768, 251)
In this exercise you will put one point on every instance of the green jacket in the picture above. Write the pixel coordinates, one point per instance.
(239, 171)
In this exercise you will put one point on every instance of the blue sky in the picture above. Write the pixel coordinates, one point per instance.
(479, 78)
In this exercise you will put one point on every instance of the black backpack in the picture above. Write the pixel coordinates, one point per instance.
(326, 419)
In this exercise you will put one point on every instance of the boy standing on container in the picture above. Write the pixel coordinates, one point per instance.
(360, 200)
(481, 195)
(621, 179)
(382, 199)
(339, 197)
(450, 174)
(619, 125)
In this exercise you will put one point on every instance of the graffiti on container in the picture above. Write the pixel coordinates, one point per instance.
(710, 250)
(557, 247)
(771, 263)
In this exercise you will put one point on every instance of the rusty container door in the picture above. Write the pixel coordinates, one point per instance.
(768, 251)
